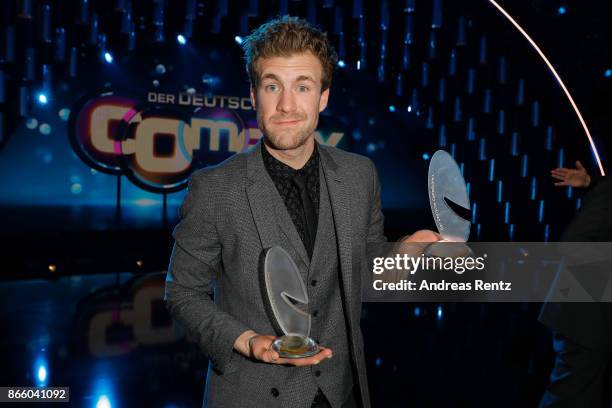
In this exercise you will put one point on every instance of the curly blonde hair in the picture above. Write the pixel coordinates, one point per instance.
(284, 37)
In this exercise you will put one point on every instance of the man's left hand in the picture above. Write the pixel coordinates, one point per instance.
(427, 236)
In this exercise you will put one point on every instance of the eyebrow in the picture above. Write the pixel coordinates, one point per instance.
(305, 78)
(298, 79)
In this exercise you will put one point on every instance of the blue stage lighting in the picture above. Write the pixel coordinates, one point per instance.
(41, 374)
(341, 63)
(31, 123)
(108, 57)
(42, 98)
(103, 402)
(439, 312)
(425, 156)
(608, 73)
(391, 108)
(44, 128)
(64, 113)
(181, 39)
(562, 10)
(238, 39)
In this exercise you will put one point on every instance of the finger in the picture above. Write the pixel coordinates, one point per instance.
(561, 183)
(269, 356)
(579, 165)
(558, 177)
(431, 236)
(559, 174)
(265, 351)
(324, 354)
(300, 362)
(306, 361)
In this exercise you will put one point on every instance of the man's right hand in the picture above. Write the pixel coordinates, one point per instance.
(259, 347)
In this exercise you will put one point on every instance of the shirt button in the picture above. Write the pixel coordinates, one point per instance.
(274, 392)
(313, 282)
(315, 313)
(318, 373)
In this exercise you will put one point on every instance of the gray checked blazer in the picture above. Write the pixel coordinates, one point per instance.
(229, 217)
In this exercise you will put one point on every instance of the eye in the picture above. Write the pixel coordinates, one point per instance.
(303, 88)
(271, 88)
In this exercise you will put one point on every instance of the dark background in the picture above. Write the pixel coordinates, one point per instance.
(76, 249)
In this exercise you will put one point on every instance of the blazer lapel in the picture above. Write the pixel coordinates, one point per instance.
(259, 193)
(268, 208)
(341, 211)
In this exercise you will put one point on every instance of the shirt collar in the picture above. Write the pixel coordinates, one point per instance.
(277, 168)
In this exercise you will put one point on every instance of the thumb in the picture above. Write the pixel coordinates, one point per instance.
(579, 165)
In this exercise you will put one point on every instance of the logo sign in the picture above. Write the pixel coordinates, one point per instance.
(159, 143)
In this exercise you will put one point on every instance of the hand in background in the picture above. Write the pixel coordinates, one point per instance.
(577, 177)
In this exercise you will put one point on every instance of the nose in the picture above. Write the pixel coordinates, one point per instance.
(286, 102)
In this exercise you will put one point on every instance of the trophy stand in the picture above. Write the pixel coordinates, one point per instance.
(284, 287)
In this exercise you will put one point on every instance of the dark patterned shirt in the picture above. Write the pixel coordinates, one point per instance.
(282, 174)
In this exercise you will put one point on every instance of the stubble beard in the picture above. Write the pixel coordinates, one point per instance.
(288, 139)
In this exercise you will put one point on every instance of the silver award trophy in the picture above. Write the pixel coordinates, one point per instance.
(447, 188)
(284, 286)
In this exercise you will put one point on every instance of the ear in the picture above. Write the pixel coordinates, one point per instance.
(323, 100)
(253, 97)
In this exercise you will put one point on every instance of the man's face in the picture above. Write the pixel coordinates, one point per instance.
(288, 99)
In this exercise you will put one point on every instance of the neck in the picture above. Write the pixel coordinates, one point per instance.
(294, 158)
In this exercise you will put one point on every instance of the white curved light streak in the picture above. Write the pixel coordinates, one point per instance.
(554, 72)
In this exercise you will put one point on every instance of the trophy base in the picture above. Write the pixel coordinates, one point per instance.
(295, 346)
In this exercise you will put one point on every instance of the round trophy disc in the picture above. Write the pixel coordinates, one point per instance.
(445, 183)
(295, 346)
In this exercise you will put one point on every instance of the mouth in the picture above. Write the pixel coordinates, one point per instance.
(287, 122)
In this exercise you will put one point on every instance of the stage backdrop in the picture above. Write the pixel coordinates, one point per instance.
(114, 146)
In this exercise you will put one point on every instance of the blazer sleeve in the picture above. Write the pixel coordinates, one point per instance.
(376, 226)
(195, 259)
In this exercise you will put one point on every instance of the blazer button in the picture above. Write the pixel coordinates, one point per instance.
(318, 373)
(315, 313)
(313, 282)
(274, 392)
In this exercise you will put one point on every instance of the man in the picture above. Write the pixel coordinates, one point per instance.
(321, 204)
(582, 331)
